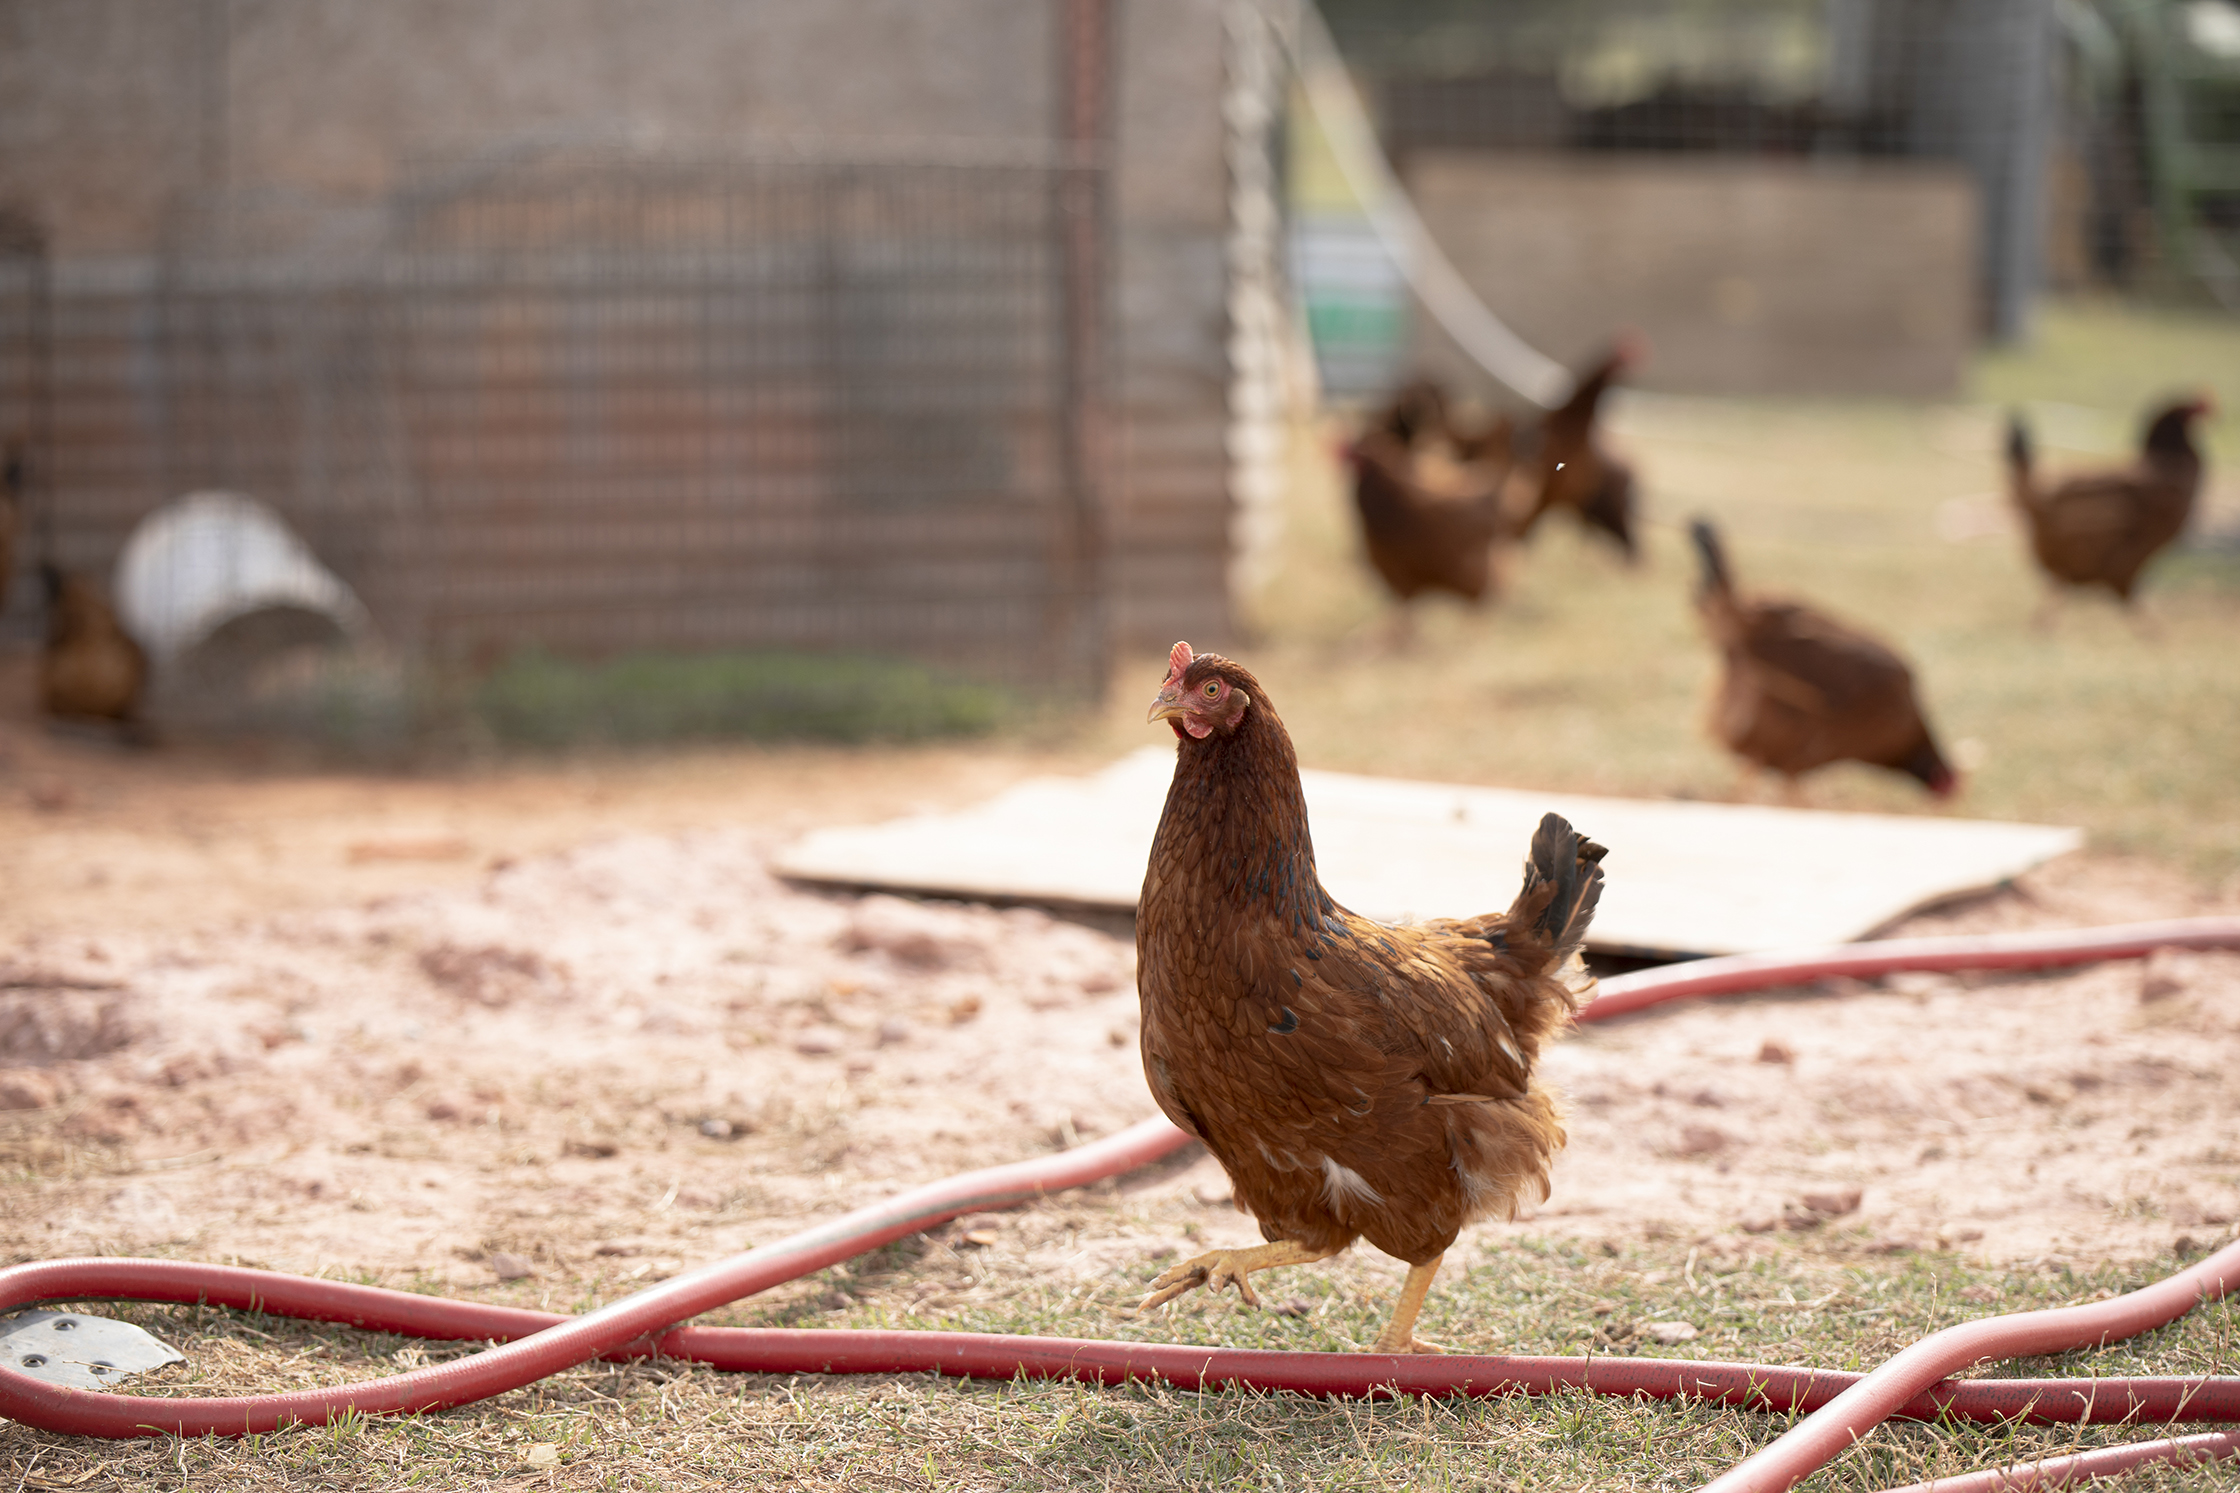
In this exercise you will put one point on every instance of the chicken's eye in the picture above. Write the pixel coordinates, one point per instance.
(1213, 689)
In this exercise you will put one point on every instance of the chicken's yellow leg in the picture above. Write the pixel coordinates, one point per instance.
(1399, 1335)
(1230, 1267)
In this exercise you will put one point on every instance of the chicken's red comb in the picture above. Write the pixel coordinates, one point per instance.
(1178, 660)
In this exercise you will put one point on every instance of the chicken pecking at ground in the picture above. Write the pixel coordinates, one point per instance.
(91, 669)
(1355, 1080)
(2101, 528)
(1571, 466)
(1801, 690)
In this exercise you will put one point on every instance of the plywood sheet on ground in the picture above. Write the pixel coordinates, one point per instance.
(1684, 878)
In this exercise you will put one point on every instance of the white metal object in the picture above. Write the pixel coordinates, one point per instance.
(79, 1351)
(198, 563)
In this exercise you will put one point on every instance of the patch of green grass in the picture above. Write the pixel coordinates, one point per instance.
(537, 700)
(1822, 1301)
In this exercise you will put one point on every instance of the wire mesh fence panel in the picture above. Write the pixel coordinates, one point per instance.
(1699, 161)
(601, 406)
(25, 316)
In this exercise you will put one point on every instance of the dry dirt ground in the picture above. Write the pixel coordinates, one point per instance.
(560, 1025)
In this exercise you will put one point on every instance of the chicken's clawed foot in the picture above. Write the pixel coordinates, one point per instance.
(1216, 1269)
(1228, 1267)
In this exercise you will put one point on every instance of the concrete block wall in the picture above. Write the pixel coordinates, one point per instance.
(1748, 276)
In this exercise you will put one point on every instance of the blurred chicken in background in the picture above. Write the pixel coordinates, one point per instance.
(1801, 690)
(1570, 465)
(1431, 506)
(2101, 528)
(91, 669)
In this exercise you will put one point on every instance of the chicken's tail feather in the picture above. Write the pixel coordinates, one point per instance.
(1562, 884)
(2021, 487)
(1717, 580)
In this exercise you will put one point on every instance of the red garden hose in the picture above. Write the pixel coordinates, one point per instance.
(1738, 974)
(2108, 1461)
(537, 1344)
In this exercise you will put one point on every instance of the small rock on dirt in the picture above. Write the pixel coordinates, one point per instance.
(1669, 1333)
(1832, 1204)
(488, 975)
(2159, 979)
(509, 1267)
(817, 1042)
(910, 934)
(28, 1088)
(1772, 1051)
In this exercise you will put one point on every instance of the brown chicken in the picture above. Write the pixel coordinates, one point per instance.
(1802, 690)
(2101, 528)
(91, 668)
(1571, 467)
(1355, 1080)
(1418, 538)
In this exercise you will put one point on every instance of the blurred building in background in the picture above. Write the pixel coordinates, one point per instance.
(1841, 196)
(965, 330)
(807, 324)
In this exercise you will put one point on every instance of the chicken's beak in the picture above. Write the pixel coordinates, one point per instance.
(1168, 707)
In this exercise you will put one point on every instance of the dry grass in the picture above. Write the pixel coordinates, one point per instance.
(1825, 1302)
